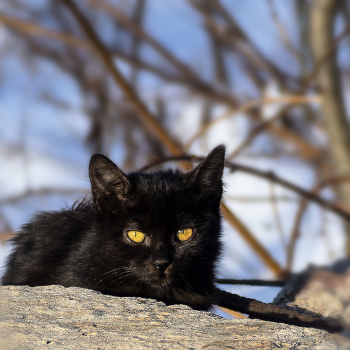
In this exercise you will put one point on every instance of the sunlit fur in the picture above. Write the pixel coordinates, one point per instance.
(87, 245)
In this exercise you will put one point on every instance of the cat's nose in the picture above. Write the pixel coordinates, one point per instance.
(161, 264)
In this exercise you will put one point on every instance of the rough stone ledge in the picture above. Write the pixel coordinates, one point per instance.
(54, 317)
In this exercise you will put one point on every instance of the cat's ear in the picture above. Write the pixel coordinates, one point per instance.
(108, 182)
(209, 172)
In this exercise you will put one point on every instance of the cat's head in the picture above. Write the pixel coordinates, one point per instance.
(158, 234)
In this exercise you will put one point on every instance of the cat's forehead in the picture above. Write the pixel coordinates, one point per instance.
(160, 182)
(161, 199)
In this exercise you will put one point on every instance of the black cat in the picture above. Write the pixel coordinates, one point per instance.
(147, 234)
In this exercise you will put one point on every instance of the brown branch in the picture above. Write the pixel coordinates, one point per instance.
(345, 214)
(147, 117)
(323, 18)
(192, 78)
(138, 15)
(295, 235)
(143, 35)
(217, 120)
(282, 31)
(267, 175)
(6, 236)
(255, 199)
(234, 37)
(274, 205)
(33, 29)
(307, 150)
(256, 131)
(41, 192)
(325, 236)
(236, 31)
(72, 41)
(264, 255)
(5, 224)
(290, 99)
(274, 313)
(268, 124)
(232, 313)
(325, 57)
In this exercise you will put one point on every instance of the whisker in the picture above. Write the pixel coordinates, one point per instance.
(117, 277)
(121, 277)
(110, 274)
(189, 288)
(125, 278)
(198, 284)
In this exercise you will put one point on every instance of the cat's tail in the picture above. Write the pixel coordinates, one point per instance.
(274, 313)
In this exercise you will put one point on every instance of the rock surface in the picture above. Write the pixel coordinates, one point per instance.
(324, 290)
(54, 317)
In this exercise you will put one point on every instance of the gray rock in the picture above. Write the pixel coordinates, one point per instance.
(323, 290)
(54, 317)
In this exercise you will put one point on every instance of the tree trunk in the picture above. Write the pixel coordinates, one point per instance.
(323, 15)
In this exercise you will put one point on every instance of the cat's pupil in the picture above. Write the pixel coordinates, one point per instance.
(136, 236)
(184, 235)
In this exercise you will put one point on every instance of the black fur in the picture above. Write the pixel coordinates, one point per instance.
(87, 246)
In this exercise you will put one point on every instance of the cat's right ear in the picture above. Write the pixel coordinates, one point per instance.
(108, 183)
(208, 174)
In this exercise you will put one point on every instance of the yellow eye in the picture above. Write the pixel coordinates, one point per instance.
(136, 236)
(184, 235)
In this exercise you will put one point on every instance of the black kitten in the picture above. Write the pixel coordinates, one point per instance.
(146, 234)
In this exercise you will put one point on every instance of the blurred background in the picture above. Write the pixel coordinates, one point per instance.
(140, 80)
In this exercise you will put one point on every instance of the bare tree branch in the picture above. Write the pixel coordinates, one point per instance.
(143, 35)
(322, 24)
(290, 99)
(282, 31)
(234, 37)
(147, 117)
(276, 214)
(264, 255)
(295, 235)
(325, 56)
(306, 149)
(267, 175)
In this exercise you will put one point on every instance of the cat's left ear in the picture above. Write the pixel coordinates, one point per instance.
(208, 174)
(108, 183)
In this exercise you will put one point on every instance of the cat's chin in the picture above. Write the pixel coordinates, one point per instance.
(160, 286)
(162, 283)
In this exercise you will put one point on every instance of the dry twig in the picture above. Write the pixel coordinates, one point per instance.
(264, 255)
(140, 33)
(100, 49)
(295, 235)
(278, 221)
(290, 99)
(306, 149)
(267, 175)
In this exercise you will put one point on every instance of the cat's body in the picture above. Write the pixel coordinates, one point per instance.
(152, 235)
